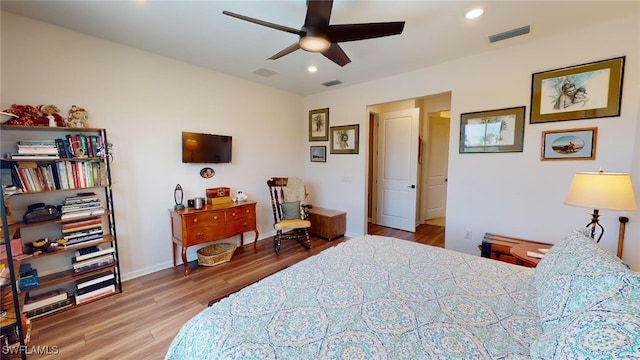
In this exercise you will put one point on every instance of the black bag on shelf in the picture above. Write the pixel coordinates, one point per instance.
(41, 212)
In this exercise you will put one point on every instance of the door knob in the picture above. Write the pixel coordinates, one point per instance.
(411, 186)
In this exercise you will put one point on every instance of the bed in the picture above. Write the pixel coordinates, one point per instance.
(378, 297)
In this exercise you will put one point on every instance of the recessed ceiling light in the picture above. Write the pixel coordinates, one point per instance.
(312, 69)
(474, 13)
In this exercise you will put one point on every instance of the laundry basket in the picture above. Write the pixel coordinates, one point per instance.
(215, 254)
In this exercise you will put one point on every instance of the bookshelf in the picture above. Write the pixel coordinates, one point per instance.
(77, 180)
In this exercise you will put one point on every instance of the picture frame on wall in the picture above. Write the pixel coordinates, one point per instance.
(319, 125)
(318, 153)
(569, 144)
(586, 91)
(344, 139)
(500, 130)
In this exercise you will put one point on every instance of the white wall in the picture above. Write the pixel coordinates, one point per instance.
(145, 101)
(512, 194)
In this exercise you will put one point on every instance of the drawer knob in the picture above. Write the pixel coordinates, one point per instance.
(215, 217)
(245, 224)
(195, 220)
(199, 235)
(233, 214)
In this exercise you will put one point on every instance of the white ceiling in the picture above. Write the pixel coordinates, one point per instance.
(197, 32)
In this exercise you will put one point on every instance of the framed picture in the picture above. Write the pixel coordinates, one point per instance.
(207, 172)
(319, 125)
(318, 154)
(585, 91)
(572, 144)
(500, 130)
(344, 139)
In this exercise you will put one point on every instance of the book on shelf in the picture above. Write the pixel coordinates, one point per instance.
(94, 279)
(84, 239)
(83, 213)
(49, 309)
(82, 206)
(93, 267)
(36, 142)
(83, 234)
(81, 198)
(94, 252)
(95, 294)
(16, 156)
(94, 261)
(32, 301)
(80, 225)
(96, 286)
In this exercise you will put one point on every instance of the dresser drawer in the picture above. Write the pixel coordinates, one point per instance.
(242, 225)
(203, 219)
(239, 213)
(204, 234)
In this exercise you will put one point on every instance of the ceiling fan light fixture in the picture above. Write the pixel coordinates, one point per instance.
(314, 43)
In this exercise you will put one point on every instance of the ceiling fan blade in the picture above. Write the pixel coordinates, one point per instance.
(264, 23)
(337, 55)
(295, 46)
(353, 32)
(318, 14)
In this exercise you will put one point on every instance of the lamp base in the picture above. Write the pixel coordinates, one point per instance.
(595, 215)
(178, 207)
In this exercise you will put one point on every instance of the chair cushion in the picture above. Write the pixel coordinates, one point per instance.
(290, 210)
(292, 224)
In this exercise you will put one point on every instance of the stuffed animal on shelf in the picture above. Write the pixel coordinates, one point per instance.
(25, 115)
(51, 113)
(78, 117)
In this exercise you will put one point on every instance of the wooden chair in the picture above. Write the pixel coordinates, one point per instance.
(289, 211)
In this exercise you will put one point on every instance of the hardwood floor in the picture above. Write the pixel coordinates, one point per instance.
(140, 322)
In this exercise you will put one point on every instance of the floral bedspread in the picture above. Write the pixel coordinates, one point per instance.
(373, 297)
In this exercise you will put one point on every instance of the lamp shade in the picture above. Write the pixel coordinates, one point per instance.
(600, 190)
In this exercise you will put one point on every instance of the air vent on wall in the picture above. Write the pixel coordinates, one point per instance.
(264, 72)
(332, 83)
(509, 34)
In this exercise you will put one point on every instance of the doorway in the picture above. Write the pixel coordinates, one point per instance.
(432, 161)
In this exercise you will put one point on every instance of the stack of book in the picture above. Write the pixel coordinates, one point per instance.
(95, 286)
(46, 303)
(91, 259)
(36, 150)
(79, 233)
(81, 205)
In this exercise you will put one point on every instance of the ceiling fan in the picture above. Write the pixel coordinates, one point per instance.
(316, 35)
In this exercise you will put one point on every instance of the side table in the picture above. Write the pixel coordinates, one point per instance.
(519, 251)
(326, 223)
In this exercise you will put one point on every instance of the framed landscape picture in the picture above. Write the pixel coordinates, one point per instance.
(585, 91)
(319, 125)
(500, 130)
(344, 139)
(571, 144)
(318, 154)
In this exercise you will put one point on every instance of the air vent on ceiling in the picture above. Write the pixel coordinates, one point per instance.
(509, 34)
(264, 72)
(332, 83)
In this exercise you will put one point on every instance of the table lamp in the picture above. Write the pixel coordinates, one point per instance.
(600, 190)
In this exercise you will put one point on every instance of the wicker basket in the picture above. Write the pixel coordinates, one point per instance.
(215, 254)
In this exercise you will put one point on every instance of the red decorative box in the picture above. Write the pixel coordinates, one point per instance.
(218, 192)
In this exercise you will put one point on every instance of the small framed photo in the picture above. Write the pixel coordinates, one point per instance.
(319, 125)
(344, 139)
(586, 91)
(207, 172)
(572, 144)
(318, 154)
(500, 130)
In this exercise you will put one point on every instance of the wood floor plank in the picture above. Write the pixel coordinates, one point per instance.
(141, 322)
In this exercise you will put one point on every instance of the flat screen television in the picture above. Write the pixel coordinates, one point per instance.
(205, 148)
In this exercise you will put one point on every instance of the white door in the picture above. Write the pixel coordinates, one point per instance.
(397, 169)
(437, 165)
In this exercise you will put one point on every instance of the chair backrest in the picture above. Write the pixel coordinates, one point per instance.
(276, 192)
(281, 190)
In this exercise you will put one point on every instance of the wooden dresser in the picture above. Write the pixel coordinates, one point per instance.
(213, 222)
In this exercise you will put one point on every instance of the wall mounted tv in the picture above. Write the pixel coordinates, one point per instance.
(205, 148)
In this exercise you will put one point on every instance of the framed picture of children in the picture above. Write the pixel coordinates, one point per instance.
(586, 91)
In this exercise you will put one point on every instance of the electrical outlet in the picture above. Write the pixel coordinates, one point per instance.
(467, 234)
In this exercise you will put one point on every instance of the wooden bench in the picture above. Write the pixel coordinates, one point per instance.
(498, 247)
